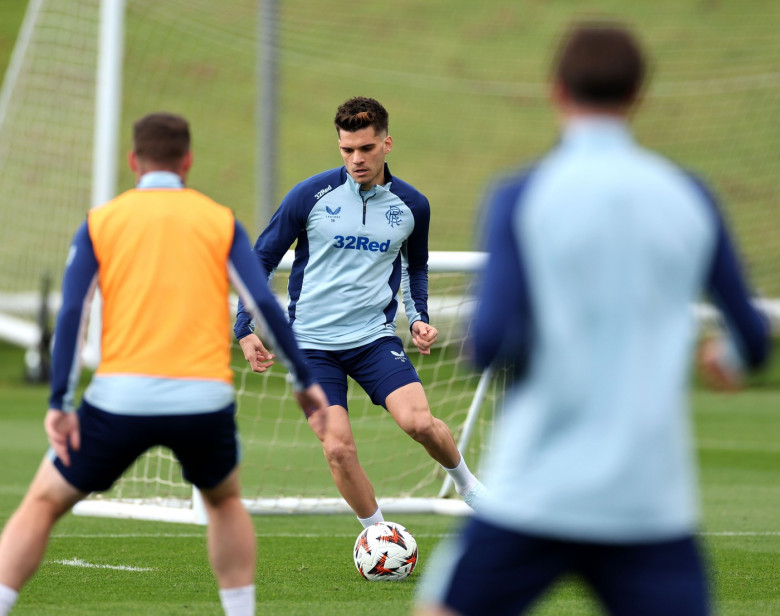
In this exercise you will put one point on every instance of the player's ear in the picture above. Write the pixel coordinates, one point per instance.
(186, 162)
(132, 160)
(561, 100)
(388, 144)
(558, 94)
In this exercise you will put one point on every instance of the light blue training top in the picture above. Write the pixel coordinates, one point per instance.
(352, 249)
(596, 255)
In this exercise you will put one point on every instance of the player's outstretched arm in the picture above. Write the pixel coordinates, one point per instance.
(746, 340)
(274, 241)
(500, 328)
(423, 336)
(259, 358)
(78, 285)
(246, 276)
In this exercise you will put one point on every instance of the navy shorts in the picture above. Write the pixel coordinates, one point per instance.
(492, 570)
(379, 367)
(205, 444)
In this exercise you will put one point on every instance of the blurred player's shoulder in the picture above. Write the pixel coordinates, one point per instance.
(508, 184)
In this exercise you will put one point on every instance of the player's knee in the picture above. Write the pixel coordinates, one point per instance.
(226, 490)
(419, 425)
(44, 507)
(339, 452)
(217, 502)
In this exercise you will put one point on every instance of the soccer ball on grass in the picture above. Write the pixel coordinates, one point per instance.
(385, 551)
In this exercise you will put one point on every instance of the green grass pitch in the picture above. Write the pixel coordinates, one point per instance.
(103, 566)
(97, 566)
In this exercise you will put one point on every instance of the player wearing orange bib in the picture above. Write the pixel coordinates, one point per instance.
(155, 252)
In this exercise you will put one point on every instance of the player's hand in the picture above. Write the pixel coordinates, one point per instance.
(259, 358)
(711, 367)
(314, 403)
(62, 428)
(423, 336)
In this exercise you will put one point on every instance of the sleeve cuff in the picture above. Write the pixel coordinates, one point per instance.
(243, 331)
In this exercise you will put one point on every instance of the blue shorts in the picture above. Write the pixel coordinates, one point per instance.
(491, 570)
(379, 367)
(205, 444)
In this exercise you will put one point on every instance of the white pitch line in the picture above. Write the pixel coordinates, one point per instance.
(77, 562)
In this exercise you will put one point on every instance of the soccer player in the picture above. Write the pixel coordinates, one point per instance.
(359, 231)
(596, 254)
(155, 252)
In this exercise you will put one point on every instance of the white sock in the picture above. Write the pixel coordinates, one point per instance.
(462, 477)
(375, 517)
(238, 601)
(8, 598)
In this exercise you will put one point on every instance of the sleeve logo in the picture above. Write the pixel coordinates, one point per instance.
(324, 191)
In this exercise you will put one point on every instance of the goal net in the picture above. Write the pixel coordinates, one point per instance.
(283, 467)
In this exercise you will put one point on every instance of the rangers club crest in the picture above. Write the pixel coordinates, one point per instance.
(393, 215)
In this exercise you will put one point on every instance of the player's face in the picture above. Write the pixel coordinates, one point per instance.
(364, 153)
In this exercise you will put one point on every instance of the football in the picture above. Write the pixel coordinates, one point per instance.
(385, 551)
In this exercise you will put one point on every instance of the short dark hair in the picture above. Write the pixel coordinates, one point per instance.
(600, 64)
(161, 138)
(361, 112)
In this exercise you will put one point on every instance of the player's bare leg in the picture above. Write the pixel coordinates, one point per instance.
(26, 534)
(231, 534)
(408, 406)
(338, 445)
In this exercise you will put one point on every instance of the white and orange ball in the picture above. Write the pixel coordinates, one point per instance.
(385, 551)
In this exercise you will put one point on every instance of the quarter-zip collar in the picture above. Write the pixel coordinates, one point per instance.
(355, 187)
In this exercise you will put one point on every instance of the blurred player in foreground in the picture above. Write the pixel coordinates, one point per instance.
(154, 252)
(596, 255)
(357, 229)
